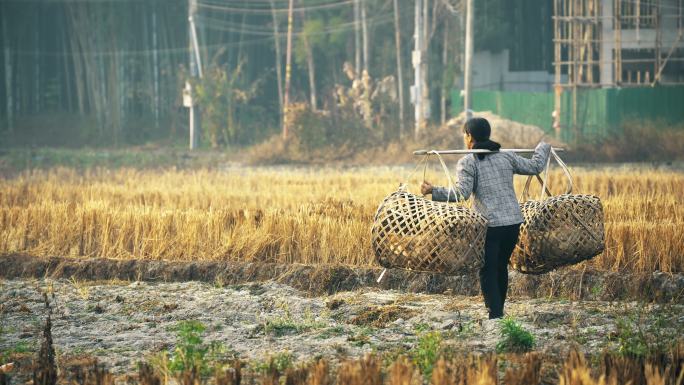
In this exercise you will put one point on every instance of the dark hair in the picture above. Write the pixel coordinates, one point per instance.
(480, 130)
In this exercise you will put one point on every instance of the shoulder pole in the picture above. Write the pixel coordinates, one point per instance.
(478, 151)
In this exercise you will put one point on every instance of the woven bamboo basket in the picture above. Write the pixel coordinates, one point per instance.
(414, 233)
(558, 231)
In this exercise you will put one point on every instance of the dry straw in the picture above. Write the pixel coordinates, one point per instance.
(290, 215)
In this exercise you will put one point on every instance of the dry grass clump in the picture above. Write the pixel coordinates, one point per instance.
(458, 370)
(288, 215)
(381, 316)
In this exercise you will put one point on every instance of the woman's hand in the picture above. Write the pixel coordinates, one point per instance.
(426, 188)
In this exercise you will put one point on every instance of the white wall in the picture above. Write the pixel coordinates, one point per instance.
(490, 72)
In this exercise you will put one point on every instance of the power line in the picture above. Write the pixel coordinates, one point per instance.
(259, 30)
(270, 10)
(183, 50)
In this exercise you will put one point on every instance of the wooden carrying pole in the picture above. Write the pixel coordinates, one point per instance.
(453, 152)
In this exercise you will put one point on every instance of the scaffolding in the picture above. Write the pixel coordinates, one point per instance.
(616, 43)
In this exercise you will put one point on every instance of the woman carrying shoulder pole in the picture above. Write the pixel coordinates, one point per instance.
(489, 178)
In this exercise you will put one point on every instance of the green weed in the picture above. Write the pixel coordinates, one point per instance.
(464, 330)
(514, 338)
(331, 332)
(190, 348)
(427, 351)
(421, 327)
(286, 324)
(20, 348)
(640, 333)
(192, 353)
(277, 362)
(630, 338)
(362, 337)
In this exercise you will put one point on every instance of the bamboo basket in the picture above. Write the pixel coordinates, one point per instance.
(558, 231)
(414, 233)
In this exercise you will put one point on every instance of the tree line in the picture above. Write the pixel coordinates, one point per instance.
(111, 72)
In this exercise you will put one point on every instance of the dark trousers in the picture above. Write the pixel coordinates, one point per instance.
(499, 245)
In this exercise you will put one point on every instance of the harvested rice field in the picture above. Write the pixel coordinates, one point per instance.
(292, 215)
(240, 275)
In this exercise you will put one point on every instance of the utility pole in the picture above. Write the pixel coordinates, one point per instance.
(279, 70)
(8, 74)
(288, 70)
(357, 38)
(416, 59)
(468, 80)
(155, 65)
(195, 65)
(425, 89)
(364, 30)
(400, 78)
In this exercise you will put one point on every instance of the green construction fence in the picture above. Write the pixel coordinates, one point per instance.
(599, 111)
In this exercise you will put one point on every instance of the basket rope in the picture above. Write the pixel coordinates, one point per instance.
(457, 195)
(424, 162)
(525, 193)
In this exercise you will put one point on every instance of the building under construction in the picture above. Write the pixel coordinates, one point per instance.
(615, 43)
(610, 61)
(618, 43)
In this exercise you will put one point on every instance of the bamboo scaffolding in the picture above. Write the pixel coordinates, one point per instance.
(589, 46)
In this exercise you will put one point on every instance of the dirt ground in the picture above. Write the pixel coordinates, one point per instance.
(121, 322)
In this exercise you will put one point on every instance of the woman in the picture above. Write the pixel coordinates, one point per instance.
(489, 177)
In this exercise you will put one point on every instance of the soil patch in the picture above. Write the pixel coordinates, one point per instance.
(121, 324)
(329, 279)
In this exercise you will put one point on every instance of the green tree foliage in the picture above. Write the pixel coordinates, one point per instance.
(110, 72)
(221, 94)
(313, 36)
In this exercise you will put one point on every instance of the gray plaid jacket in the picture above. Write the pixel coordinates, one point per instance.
(490, 180)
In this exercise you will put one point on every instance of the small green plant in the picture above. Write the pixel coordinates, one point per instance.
(421, 327)
(20, 348)
(514, 338)
(464, 330)
(286, 324)
(331, 332)
(642, 332)
(427, 351)
(281, 326)
(597, 290)
(190, 348)
(191, 354)
(630, 337)
(277, 362)
(362, 337)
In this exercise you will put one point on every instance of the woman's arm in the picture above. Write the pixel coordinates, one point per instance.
(534, 165)
(463, 186)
